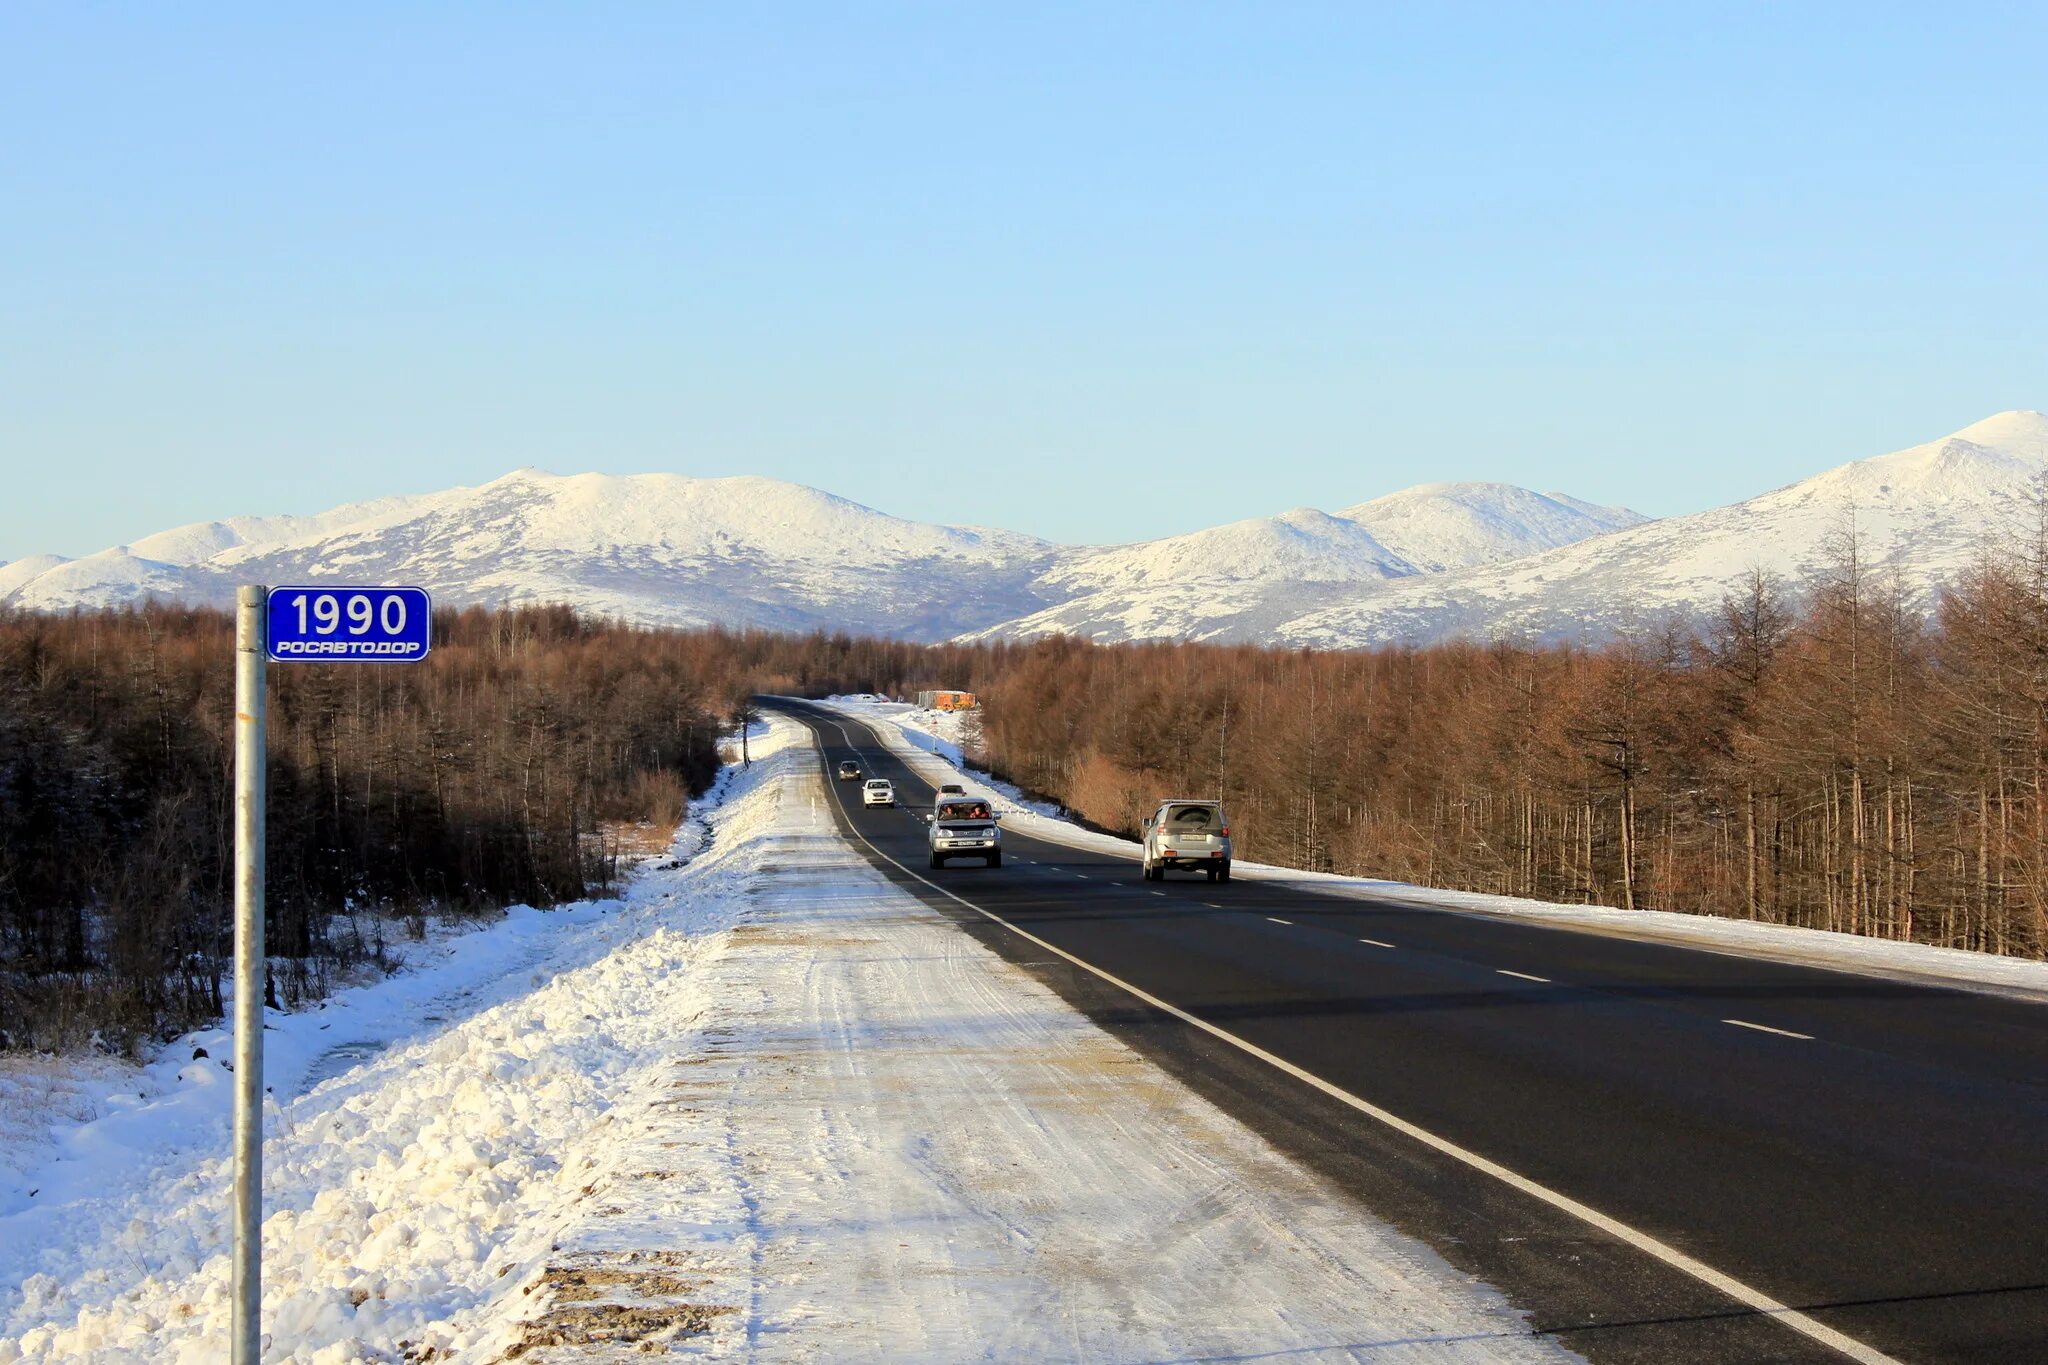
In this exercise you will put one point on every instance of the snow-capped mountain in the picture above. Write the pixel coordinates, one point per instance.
(1929, 510)
(1435, 561)
(1243, 580)
(1205, 581)
(657, 549)
(662, 549)
(1442, 526)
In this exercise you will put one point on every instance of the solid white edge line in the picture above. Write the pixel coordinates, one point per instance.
(1735, 1289)
(1524, 975)
(1766, 1028)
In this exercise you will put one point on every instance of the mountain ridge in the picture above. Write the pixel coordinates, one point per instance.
(1928, 509)
(1433, 561)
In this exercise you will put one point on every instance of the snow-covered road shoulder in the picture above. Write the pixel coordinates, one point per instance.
(768, 1106)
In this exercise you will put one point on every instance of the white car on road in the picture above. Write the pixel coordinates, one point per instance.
(1191, 834)
(879, 791)
(964, 825)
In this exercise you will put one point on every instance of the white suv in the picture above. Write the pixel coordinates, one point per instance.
(879, 791)
(1191, 834)
(964, 825)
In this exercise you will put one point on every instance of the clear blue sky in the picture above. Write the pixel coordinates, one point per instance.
(1094, 272)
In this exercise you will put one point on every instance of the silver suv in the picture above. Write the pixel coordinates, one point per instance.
(1188, 833)
(964, 825)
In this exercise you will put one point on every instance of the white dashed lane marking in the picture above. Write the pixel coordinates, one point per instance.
(1277, 920)
(1766, 1028)
(1376, 943)
(1524, 975)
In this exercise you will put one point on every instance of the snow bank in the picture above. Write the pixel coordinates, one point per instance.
(896, 1146)
(765, 1105)
(931, 742)
(401, 1194)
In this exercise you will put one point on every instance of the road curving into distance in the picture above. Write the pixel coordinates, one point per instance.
(1661, 1153)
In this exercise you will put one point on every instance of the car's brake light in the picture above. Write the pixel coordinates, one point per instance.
(1224, 832)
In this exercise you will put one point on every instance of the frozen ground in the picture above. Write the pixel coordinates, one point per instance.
(763, 1106)
(932, 741)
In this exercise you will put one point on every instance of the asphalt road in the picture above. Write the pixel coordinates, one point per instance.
(1644, 1146)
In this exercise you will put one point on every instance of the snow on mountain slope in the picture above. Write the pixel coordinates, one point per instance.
(1303, 543)
(1442, 526)
(1436, 561)
(21, 571)
(1195, 584)
(658, 549)
(1929, 509)
(1240, 581)
(202, 540)
(662, 549)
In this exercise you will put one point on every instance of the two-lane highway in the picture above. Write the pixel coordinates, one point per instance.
(1663, 1153)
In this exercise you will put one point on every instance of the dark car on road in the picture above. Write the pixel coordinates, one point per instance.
(849, 770)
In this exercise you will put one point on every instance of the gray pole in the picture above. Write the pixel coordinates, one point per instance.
(252, 606)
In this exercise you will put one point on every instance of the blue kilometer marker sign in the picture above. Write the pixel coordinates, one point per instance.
(332, 624)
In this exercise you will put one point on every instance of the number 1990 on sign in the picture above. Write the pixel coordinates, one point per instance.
(349, 625)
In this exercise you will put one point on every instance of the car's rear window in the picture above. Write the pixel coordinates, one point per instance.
(1194, 817)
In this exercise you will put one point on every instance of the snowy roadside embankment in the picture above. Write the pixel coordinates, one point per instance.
(930, 742)
(71, 1125)
(767, 1105)
(388, 1185)
(74, 1126)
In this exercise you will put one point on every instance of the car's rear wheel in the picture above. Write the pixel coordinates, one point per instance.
(1213, 872)
(1223, 872)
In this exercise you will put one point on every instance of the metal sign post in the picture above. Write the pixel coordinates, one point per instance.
(251, 760)
(323, 624)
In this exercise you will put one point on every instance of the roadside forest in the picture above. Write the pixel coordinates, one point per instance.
(499, 770)
(1848, 761)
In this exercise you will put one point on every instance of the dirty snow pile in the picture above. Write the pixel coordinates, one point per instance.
(765, 1105)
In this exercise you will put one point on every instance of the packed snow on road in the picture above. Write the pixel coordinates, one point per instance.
(764, 1105)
